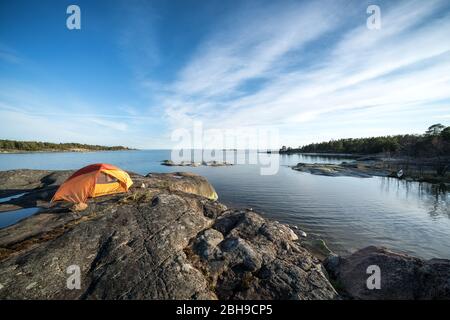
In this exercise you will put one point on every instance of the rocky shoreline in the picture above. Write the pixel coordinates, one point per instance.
(169, 238)
(368, 167)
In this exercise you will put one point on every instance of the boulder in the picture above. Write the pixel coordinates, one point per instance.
(401, 276)
(185, 182)
(261, 259)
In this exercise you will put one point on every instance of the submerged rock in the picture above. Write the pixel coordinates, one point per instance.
(167, 239)
(318, 247)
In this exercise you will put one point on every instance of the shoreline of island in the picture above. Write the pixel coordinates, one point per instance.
(22, 147)
(418, 170)
(414, 157)
(63, 151)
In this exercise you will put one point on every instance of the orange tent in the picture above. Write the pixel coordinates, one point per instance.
(93, 181)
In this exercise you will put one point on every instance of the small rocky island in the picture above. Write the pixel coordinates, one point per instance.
(169, 238)
(367, 167)
(213, 163)
(417, 157)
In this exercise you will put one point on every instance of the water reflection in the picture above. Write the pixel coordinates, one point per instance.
(9, 218)
(431, 196)
(349, 213)
(6, 199)
(293, 159)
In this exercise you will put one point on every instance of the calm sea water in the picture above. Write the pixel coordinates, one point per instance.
(349, 213)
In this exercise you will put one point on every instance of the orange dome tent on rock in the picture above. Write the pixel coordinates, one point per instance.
(93, 181)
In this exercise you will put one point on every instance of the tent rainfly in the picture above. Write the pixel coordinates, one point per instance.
(93, 181)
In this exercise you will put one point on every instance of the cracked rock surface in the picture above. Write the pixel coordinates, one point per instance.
(167, 238)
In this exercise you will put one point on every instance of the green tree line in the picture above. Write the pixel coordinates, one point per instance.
(435, 142)
(13, 145)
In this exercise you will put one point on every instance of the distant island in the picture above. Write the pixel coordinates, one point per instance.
(421, 157)
(434, 142)
(14, 146)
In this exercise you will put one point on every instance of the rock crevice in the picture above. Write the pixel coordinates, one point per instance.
(166, 239)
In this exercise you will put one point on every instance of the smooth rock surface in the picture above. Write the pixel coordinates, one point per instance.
(402, 276)
(165, 239)
(341, 170)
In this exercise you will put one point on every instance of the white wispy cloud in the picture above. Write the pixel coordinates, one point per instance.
(312, 69)
(115, 125)
(28, 113)
(404, 65)
(252, 49)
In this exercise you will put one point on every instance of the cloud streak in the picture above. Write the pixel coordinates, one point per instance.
(405, 64)
(310, 68)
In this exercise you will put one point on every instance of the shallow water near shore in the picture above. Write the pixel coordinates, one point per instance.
(348, 213)
(9, 218)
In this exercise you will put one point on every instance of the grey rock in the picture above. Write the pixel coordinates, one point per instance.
(37, 187)
(206, 244)
(169, 240)
(336, 170)
(213, 163)
(167, 163)
(402, 276)
(261, 260)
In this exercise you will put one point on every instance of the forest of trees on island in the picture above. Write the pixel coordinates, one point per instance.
(29, 146)
(435, 142)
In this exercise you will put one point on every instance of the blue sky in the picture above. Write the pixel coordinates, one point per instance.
(137, 70)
